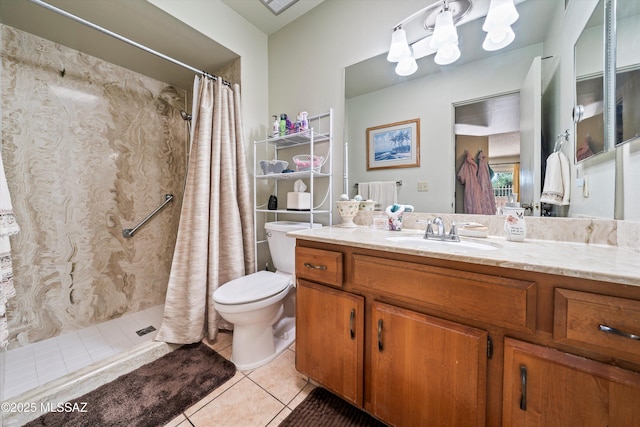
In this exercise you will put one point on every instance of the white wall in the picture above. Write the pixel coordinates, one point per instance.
(307, 58)
(216, 20)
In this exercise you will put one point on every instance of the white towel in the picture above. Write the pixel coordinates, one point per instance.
(557, 180)
(363, 190)
(383, 192)
(8, 227)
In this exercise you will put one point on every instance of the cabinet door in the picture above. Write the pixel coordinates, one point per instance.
(329, 338)
(426, 371)
(546, 387)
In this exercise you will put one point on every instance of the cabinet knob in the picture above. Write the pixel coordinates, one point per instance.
(523, 380)
(614, 331)
(352, 318)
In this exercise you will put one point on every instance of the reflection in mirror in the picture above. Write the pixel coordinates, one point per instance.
(490, 127)
(627, 71)
(589, 110)
(590, 126)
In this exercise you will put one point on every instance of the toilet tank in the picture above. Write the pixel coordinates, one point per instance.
(281, 247)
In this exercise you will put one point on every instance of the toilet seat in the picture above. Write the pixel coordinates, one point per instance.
(251, 288)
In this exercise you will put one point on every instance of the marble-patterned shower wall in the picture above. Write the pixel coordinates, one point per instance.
(89, 148)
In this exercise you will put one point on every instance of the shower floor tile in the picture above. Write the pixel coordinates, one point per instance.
(36, 364)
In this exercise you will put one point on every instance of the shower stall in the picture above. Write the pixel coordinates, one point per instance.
(89, 149)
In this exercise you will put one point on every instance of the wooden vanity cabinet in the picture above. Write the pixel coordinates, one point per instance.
(424, 341)
(329, 338)
(329, 324)
(425, 370)
(546, 387)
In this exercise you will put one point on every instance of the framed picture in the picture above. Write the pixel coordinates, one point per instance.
(396, 145)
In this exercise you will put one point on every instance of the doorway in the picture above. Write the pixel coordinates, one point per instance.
(490, 125)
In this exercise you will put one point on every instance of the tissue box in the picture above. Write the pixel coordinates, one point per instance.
(298, 201)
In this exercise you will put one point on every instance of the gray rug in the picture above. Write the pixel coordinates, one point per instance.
(152, 395)
(323, 408)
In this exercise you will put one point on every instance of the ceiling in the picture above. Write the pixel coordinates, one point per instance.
(146, 24)
(263, 19)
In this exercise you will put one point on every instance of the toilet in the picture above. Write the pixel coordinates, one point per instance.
(261, 305)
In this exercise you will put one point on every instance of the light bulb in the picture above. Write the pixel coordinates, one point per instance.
(406, 66)
(399, 47)
(447, 54)
(498, 38)
(444, 31)
(502, 13)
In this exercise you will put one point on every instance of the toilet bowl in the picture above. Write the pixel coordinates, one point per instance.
(261, 305)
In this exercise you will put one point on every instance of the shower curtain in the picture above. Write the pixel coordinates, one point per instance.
(215, 236)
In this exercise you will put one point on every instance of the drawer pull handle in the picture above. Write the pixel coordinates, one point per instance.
(380, 335)
(610, 330)
(523, 380)
(352, 317)
(317, 267)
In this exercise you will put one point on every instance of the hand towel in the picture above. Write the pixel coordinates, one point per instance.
(557, 180)
(383, 192)
(363, 190)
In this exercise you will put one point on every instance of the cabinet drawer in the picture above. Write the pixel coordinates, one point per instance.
(608, 325)
(319, 265)
(505, 302)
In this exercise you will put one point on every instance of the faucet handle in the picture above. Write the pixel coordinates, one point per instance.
(453, 233)
(429, 230)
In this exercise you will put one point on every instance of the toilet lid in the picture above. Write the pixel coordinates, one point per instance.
(253, 287)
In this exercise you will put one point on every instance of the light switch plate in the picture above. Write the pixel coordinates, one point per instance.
(423, 185)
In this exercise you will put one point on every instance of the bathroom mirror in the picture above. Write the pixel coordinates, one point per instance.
(375, 95)
(371, 77)
(627, 99)
(589, 110)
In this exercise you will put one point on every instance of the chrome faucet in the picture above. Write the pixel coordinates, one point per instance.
(452, 236)
(440, 224)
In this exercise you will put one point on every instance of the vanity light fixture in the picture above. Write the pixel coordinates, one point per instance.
(439, 20)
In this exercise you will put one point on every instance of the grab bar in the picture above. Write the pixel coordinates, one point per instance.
(128, 232)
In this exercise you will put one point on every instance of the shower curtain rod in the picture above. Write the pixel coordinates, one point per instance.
(124, 39)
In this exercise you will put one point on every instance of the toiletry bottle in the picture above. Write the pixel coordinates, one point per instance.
(515, 226)
(304, 122)
(275, 128)
(283, 124)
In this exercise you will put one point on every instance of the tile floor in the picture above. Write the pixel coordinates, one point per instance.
(36, 364)
(261, 397)
(257, 398)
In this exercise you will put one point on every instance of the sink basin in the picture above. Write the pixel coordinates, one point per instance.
(419, 242)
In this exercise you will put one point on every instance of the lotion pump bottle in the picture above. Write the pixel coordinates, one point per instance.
(283, 124)
(275, 128)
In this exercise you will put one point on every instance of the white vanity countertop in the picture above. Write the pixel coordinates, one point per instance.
(588, 261)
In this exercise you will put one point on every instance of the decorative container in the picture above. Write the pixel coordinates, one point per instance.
(347, 209)
(303, 162)
(273, 166)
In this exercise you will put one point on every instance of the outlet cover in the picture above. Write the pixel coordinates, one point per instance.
(423, 185)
